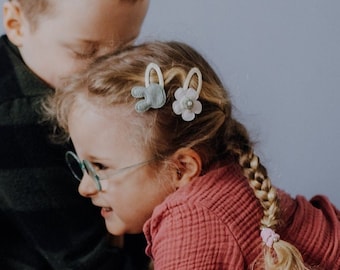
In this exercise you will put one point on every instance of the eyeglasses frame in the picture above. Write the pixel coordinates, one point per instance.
(86, 166)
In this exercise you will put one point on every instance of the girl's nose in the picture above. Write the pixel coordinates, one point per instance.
(87, 187)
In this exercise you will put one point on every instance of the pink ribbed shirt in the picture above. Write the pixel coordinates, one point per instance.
(213, 223)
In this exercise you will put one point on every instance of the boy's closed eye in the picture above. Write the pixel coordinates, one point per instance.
(82, 50)
(84, 53)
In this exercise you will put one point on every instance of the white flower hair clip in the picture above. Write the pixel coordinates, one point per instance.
(187, 103)
(153, 94)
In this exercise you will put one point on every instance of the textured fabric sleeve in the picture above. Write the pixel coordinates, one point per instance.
(327, 221)
(314, 228)
(189, 236)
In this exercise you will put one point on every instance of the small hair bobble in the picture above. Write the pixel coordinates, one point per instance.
(186, 103)
(269, 237)
(153, 94)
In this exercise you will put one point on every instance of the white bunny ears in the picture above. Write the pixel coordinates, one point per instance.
(186, 104)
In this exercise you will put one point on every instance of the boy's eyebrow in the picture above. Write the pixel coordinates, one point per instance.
(87, 41)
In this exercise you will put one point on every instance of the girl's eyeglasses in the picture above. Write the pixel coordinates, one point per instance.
(78, 167)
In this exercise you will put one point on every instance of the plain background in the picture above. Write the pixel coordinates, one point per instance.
(280, 60)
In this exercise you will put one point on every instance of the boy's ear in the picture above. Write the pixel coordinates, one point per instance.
(13, 22)
(188, 165)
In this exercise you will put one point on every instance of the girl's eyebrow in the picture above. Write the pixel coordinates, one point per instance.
(97, 159)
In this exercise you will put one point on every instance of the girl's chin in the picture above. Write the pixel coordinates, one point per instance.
(114, 230)
(115, 226)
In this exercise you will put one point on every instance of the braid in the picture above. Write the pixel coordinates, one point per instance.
(281, 255)
(240, 146)
(258, 179)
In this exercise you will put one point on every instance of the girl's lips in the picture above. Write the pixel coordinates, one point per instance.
(106, 211)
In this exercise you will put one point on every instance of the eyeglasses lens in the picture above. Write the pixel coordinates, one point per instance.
(75, 165)
(89, 169)
(92, 173)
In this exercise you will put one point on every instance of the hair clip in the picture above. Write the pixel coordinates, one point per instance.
(153, 94)
(186, 102)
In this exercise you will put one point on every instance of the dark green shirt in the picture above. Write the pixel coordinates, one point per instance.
(45, 223)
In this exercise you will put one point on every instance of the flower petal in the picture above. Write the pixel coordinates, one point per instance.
(191, 94)
(197, 108)
(188, 115)
(176, 106)
(180, 92)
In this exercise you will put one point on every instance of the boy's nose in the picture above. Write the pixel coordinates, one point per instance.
(87, 186)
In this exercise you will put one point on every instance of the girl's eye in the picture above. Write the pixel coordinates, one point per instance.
(99, 166)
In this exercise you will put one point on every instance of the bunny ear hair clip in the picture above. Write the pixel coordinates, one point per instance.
(187, 103)
(153, 94)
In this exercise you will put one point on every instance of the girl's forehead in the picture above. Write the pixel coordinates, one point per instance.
(97, 109)
(96, 113)
(106, 133)
(111, 120)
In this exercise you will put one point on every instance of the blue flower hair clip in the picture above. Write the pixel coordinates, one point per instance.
(153, 94)
(187, 103)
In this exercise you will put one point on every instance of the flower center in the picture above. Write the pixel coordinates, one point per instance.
(188, 103)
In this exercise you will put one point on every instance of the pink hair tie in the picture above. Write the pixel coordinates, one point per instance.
(269, 236)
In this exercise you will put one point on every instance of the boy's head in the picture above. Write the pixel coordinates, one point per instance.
(59, 37)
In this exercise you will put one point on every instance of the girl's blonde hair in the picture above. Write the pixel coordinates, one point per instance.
(215, 134)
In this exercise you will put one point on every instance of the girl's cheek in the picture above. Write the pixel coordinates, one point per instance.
(105, 185)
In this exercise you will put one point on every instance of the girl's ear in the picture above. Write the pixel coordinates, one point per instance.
(188, 165)
(13, 22)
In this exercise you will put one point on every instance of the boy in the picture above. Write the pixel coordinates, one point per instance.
(45, 223)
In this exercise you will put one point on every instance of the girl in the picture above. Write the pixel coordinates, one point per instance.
(158, 149)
